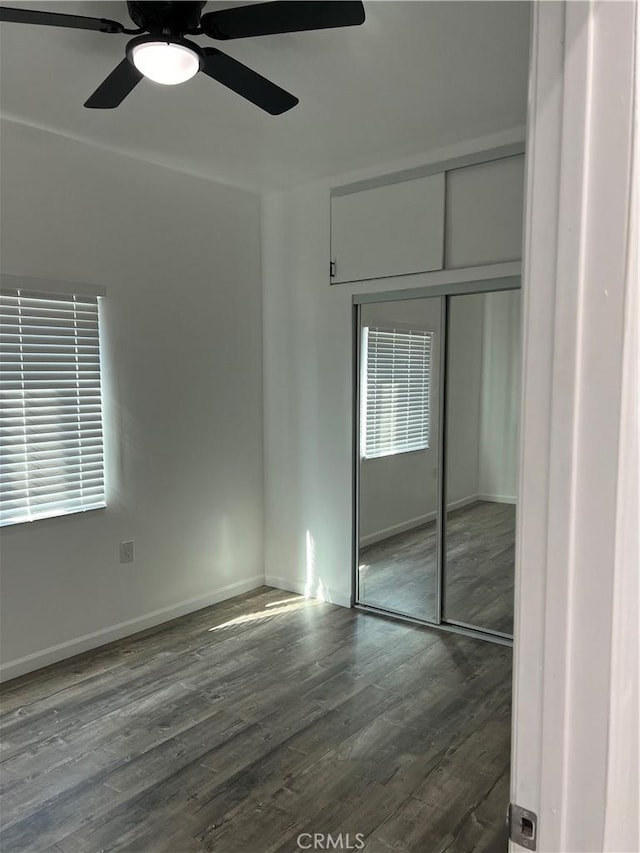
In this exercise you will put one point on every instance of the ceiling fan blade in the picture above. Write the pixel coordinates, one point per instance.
(112, 91)
(251, 85)
(53, 19)
(289, 16)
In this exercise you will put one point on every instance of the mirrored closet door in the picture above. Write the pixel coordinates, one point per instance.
(399, 428)
(437, 414)
(482, 423)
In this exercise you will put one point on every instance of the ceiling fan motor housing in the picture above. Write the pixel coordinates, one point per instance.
(161, 52)
(166, 17)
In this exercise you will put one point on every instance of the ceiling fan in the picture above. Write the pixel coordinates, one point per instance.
(161, 52)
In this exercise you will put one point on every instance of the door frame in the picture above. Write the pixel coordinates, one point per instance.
(575, 735)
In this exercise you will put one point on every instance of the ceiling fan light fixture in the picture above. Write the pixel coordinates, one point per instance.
(160, 52)
(166, 62)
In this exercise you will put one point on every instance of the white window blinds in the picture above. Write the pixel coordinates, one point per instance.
(395, 391)
(51, 449)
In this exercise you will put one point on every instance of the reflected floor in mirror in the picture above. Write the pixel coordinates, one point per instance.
(399, 573)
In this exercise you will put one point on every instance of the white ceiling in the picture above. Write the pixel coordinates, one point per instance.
(416, 76)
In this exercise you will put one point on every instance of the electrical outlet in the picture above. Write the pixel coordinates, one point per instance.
(126, 552)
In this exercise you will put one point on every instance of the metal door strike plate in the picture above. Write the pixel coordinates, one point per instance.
(523, 827)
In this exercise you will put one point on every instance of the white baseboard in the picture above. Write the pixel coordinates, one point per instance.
(62, 651)
(412, 523)
(470, 499)
(300, 587)
(286, 584)
(402, 527)
(499, 499)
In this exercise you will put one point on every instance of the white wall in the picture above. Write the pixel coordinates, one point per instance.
(308, 386)
(465, 348)
(180, 258)
(400, 491)
(500, 407)
(484, 397)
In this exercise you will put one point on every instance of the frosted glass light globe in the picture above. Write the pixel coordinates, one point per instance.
(165, 62)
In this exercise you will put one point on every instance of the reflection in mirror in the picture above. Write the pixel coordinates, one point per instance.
(483, 403)
(398, 498)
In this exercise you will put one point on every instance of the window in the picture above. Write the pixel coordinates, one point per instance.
(395, 391)
(51, 449)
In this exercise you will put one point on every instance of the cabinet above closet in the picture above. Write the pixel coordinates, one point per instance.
(485, 204)
(469, 213)
(389, 230)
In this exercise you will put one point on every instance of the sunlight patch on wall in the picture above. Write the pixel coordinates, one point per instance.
(314, 586)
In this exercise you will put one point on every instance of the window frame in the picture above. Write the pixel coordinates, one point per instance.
(50, 288)
(401, 328)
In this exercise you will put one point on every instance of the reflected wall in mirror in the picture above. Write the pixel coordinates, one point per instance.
(399, 417)
(482, 424)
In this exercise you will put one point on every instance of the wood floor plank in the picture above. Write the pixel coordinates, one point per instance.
(289, 716)
(399, 573)
(19, 693)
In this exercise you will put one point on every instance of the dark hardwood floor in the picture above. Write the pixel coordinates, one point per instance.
(399, 573)
(241, 726)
